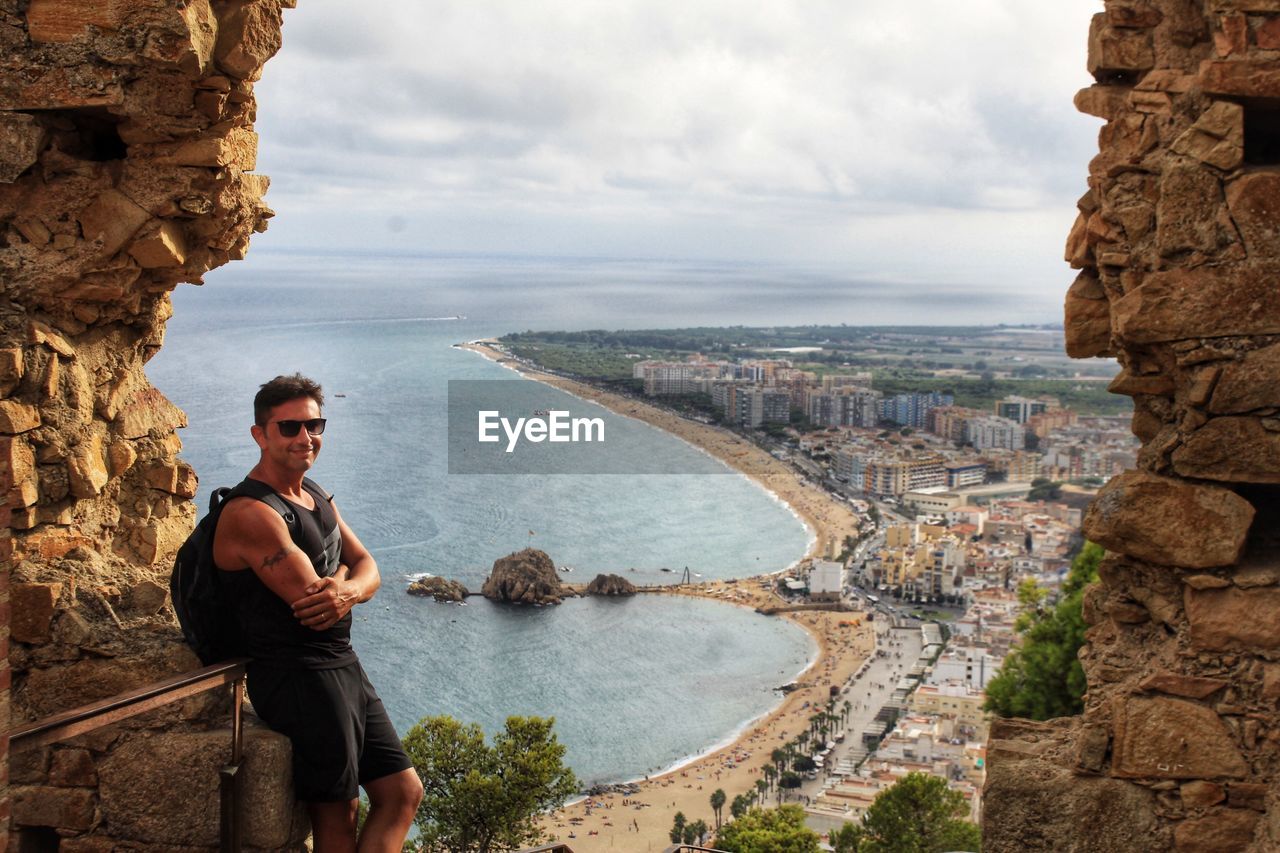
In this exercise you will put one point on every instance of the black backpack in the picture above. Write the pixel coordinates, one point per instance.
(208, 621)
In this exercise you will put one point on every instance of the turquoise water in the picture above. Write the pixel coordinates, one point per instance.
(635, 685)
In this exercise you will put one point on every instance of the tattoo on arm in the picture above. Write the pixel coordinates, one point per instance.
(270, 562)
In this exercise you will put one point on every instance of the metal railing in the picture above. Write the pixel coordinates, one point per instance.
(122, 706)
(685, 848)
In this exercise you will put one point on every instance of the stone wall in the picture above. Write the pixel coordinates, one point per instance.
(126, 167)
(1178, 247)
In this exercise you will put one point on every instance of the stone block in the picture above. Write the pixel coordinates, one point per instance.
(1187, 210)
(1132, 384)
(1105, 102)
(1230, 449)
(159, 246)
(1038, 803)
(60, 21)
(62, 808)
(1180, 304)
(1271, 681)
(73, 768)
(1220, 831)
(1138, 15)
(1168, 521)
(1188, 686)
(112, 218)
(1117, 50)
(18, 477)
(147, 597)
(21, 141)
(11, 369)
(248, 35)
(1247, 795)
(49, 88)
(1267, 35)
(1233, 619)
(238, 149)
(1258, 6)
(164, 789)
(177, 479)
(54, 689)
(148, 410)
(16, 417)
(1220, 153)
(72, 629)
(1162, 738)
(1201, 794)
(1240, 78)
(87, 468)
(31, 611)
(1254, 202)
(1252, 382)
(1232, 35)
(1087, 318)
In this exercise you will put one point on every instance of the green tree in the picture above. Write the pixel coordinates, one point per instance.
(1041, 678)
(694, 832)
(845, 839)
(739, 806)
(919, 814)
(779, 830)
(677, 828)
(718, 797)
(482, 798)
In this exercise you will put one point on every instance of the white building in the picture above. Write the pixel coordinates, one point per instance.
(826, 581)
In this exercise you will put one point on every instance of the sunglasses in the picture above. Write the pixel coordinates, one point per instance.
(315, 426)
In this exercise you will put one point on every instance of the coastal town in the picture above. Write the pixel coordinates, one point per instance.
(928, 517)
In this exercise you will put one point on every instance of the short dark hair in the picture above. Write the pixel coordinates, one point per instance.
(282, 389)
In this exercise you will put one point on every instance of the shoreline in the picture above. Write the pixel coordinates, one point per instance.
(734, 764)
(826, 519)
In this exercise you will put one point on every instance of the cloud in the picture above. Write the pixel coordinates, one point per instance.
(769, 129)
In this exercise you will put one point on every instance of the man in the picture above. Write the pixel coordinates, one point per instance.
(293, 594)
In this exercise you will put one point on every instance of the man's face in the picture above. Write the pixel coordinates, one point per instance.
(293, 454)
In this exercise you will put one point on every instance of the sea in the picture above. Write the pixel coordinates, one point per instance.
(636, 685)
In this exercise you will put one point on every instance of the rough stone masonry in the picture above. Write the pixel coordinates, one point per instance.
(1178, 247)
(126, 167)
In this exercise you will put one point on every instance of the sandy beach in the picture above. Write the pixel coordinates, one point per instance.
(829, 520)
(641, 821)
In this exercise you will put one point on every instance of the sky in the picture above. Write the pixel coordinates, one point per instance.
(923, 141)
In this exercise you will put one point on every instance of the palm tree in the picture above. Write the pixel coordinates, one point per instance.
(717, 803)
(847, 708)
(779, 758)
(770, 773)
(758, 794)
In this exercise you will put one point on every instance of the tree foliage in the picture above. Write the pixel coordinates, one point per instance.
(1042, 678)
(480, 798)
(919, 814)
(779, 830)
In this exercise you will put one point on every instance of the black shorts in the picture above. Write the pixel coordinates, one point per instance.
(342, 737)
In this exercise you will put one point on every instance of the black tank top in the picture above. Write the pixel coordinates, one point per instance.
(273, 635)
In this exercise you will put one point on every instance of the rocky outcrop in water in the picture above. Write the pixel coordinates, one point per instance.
(610, 585)
(526, 577)
(441, 589)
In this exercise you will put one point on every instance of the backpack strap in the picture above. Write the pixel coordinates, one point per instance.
(316, 490)
(248, 488)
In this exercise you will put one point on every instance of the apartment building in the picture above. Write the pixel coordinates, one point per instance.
(1019, 409)
(893, 477)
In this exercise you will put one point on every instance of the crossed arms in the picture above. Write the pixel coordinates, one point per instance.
(252, 535)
